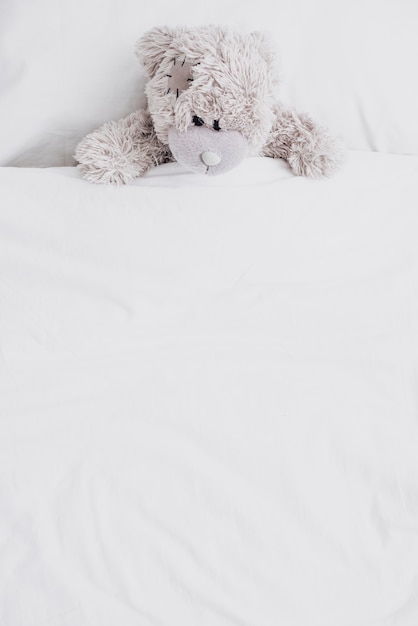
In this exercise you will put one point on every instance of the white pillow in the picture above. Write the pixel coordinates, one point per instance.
(354, 65)
(66, 67)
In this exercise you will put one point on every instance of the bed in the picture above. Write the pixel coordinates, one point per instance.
(208, 387)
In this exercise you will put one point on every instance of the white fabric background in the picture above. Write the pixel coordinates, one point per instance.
(208, 397)
(67, 66)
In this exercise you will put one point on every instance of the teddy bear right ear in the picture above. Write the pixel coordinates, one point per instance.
(152, 46)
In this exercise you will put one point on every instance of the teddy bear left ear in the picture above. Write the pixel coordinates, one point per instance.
(151, 47)
(264, 44)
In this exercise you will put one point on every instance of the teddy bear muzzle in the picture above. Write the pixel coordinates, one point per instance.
(207, 151)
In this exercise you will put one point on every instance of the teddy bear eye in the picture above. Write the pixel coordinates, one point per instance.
(197, 121)
(216, 125)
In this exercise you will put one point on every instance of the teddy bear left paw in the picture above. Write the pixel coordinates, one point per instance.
(317, 154)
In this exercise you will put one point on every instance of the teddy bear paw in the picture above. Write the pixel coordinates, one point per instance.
(317, 154)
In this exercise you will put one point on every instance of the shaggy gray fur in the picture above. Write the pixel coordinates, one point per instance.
(209, 89)
(119, 152)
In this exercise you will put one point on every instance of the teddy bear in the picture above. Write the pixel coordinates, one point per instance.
(211, 102)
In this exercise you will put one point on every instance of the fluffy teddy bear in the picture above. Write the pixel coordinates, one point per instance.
(212, 101)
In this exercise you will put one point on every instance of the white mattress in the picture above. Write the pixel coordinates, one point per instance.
(208, 397)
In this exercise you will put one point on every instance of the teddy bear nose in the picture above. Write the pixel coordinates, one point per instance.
(210, 158)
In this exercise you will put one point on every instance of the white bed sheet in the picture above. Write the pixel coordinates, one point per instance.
(208, 397)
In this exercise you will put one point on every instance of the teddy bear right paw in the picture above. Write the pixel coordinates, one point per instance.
(108, 155)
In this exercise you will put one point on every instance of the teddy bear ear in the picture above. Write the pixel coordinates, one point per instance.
(151, 47)
(263, 42)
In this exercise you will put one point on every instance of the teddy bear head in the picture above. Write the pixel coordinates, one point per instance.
(210, 93)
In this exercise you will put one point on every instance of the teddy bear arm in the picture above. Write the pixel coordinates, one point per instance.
(118, 152)
(308, 147)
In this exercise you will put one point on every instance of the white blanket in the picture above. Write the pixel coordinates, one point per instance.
(208, 397)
